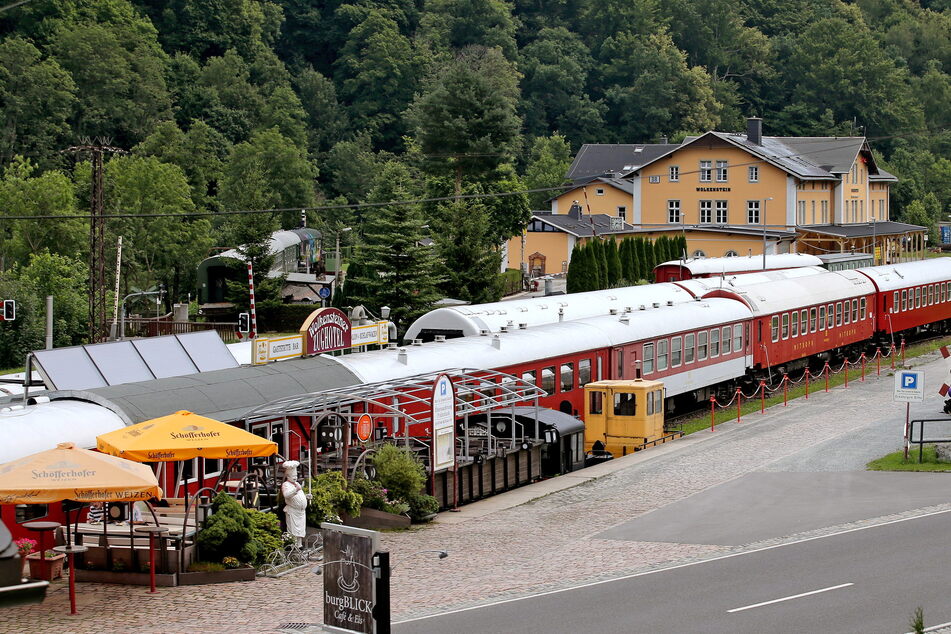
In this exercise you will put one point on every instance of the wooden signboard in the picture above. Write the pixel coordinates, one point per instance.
(326, 330)
(349, 582)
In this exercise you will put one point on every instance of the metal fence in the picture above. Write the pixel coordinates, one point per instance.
(156, 327)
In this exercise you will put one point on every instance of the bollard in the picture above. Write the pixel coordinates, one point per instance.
(825, 371)
(892, 355)
(903, 352)
(713, 406)
(785, 390)
(739, 401)
(878, 362)
(807, 384)
(846, 373)
(762, 397)
(863, 367)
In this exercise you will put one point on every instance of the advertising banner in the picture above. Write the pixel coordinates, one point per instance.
(444, 424)
(349, 588)
(326, 330)
(377, 333)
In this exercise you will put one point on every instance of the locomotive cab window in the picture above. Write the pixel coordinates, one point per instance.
(689, 343)
(774, 327)
(596, 402)
(625, 404)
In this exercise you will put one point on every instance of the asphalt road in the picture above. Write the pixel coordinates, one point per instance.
(865, 581)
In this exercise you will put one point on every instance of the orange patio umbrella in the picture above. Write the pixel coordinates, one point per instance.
(69, 473)
(183, 436)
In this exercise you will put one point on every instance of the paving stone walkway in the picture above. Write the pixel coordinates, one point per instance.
(548, 543)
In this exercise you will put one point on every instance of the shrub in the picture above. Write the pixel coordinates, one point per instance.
(422, 505)
(228, 532)
(205, 566)
(330, 497)
(266, 531)
(399, 472)
(231, 563)
(376, 497)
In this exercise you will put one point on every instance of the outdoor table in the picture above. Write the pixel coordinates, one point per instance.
(42, 528)
(153, 531)
(71, 551)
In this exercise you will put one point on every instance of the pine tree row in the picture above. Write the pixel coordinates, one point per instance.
(607, 263)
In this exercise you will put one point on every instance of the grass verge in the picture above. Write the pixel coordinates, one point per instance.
(896, 461)
(816, 384)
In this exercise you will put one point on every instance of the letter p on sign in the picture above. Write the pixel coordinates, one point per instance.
(909, 381)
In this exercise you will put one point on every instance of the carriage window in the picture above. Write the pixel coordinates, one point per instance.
(714, 343)
(862, 308)
(529, 376)
(596, 402)
(688, 348)
(701, 345)
(661, 355)
(625, 404)
(930, 295)
(918, 297)
(567, 377)
(620, 363)
(838, 313)
(584, 372)
(738, 337)
(785, 325)
(812, 319)
(822, 317)
(944, 296)
(29, 512)
(895, 301)
(904, 300)
(648, 358)
(830, 316)
(774, 327)
(725, 338)
(794, 324)
(804, 321)
(675, 356)
(548, 380)
(845, 313)
(855, 310)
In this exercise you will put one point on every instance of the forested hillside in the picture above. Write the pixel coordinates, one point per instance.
(231, 105)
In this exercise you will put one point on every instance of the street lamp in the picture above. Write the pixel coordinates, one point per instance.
(159, 292)
(764, 231)
(337, 260)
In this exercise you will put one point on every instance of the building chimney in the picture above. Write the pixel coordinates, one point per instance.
(663, 139)
(575, 210)
(754, 130)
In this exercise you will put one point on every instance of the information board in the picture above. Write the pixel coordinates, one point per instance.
(349, 588)
(909, 386)
(444, 423)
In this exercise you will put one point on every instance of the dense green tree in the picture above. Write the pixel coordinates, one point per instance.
(24, 192)
(613, 261)
(401, 271)
(327, 119)
(548, 163)
(601, 19)
(65, 279)
(350, 167)
(37, 97)
(456, 24)
(464, 124)
(576, 273)
(472, 270)
(230, 103)
(25, 333)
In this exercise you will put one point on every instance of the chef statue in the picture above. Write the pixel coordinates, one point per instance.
(295, 502)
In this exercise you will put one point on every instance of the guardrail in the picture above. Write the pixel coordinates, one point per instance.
(157, 327)
(922, 441)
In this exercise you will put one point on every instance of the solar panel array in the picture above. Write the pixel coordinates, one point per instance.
(118, 362)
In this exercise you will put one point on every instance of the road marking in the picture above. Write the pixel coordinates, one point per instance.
(789, 598)
(675, 567)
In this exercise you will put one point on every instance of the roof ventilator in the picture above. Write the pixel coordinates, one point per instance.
(613, 311)
(391, 346)
(670, 302)
(403, 357)
(625, 319)
(641, 307)
(522, 326)
(484, 332)
(656, 304)
(417, 342)
(497, 342)
(561, 314)
(440, 339)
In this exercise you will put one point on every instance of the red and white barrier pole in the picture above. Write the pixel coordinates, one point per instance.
(254, 315)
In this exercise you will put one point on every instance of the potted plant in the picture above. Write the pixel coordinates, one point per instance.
(226, 539)
(46, 566)
(404, 479)
(379, 511)
(24, 547)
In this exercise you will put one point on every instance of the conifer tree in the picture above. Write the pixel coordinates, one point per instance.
(573, 283)
(627, 264)
(601, 261)
(614, 263)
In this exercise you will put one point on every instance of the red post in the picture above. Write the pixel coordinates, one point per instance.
(903, 351)
(863, 367)
(785, 390)
(739, 400)
(846, 373)
(72, 581)
(762, 397)
(878, 362)
(807, 384)
(825, 371)
(713, 405)
(152, 562)
(892, 354)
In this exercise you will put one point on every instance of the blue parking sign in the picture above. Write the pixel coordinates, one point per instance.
(909, 381)
(909, 385)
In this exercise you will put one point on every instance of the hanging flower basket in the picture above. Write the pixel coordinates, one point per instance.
(46, 568)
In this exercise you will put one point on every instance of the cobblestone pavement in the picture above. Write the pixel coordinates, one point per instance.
(545, 544)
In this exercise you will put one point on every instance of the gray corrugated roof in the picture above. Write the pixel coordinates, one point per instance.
(222, 394)
(586, 226)
(863, 230)
(595, 159)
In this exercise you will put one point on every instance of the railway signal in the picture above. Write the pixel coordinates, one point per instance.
(244, 322)
(9, 310)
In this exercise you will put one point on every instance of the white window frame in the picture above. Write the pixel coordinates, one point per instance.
(706, 171)
(690, 348)
(662, 347)
(706, 212)
(673, 174)
(722, 171)
(752, 212)
(753, 173)
(676, 352)
(648, 360)
(722, 208)
(673, 212)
